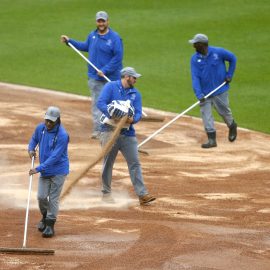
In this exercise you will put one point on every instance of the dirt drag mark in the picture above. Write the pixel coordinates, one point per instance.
(212, 211)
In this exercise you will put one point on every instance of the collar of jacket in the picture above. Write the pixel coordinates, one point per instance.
(125, 90)
(105, 36)
(55, 128)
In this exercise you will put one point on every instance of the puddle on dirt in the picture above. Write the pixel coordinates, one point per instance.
(222, 259)
(223, 196)
(110, 240)
(174, 202)
(192, 216)
(264, 211)
(205, 175)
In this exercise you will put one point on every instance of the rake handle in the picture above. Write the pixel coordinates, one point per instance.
(28, 204)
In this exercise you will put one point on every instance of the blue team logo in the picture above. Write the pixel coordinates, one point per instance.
(132, 97)
(215, 56)
(109, 42)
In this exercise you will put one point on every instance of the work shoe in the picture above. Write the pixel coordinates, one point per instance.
(211, 140)
(232, 132)
(107, 198)
(49, 230)
(146, 199)
(42, 225)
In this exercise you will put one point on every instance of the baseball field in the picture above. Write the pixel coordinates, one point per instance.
(212, 210)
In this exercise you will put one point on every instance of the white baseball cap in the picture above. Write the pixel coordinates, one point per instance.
(52, 113)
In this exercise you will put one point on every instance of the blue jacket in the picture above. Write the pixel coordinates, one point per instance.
(53, 150)
(115, 91)
(105, 52)
(209, 71)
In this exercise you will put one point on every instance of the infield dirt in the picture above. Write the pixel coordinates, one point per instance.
(212, 210)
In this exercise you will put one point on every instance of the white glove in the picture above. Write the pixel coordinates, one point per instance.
(131, 111)
(105, 120)
(117, 108)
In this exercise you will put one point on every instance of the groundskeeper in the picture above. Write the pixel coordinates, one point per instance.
(208, 71)
(117, 99)
(52, 141)
(105, 51)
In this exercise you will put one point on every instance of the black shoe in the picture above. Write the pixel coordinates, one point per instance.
(42, 225)
(211, 140)
(232, 132)
(49, 230)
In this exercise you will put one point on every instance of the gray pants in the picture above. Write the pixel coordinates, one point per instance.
(49, 190)
(129, 148)
(221, 104)
(95, 87)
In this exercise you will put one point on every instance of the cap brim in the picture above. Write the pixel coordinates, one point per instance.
(138, 75)
(51, 118)
(101, 18)
(191, 41)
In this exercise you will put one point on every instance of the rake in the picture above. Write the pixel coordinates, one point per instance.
(24, 249)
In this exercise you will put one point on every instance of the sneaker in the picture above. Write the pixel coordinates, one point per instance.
(146, 199)
(107, 198)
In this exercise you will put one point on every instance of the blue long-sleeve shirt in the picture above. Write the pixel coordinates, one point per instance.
(209, 71)
(53, 150)
(105, 52)
(115, 91)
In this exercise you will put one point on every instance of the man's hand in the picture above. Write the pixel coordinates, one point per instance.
(228, 79)
(131, 111)
(202, 100)
(130, 120)
(32, 171)
(32, 154)
(117, 110)
(100, 73)
(64, 39)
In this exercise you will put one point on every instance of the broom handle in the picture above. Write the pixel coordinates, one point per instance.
(28, 204)
(92, 65)
(178, 116)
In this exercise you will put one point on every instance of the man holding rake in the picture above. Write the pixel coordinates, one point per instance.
(105, 50)
(208, 70)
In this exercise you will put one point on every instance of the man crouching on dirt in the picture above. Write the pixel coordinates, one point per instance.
(52, 139)
(117, 99)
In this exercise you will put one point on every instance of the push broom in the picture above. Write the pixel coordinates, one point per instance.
(24, 249)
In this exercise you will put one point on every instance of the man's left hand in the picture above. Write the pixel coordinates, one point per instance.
(228, 79)
(32, 171)
(100, 73)
(130, 120)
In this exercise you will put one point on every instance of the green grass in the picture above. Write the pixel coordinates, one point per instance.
(155, 35)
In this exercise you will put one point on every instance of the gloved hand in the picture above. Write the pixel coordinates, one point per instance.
(105, 120)
(116, 109)
(118, 113)
(131, 111)
(202, 100)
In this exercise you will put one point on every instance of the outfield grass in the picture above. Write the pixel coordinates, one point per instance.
(155, 35)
